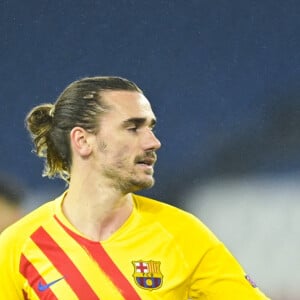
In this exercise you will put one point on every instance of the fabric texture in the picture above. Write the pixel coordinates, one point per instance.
(160, 252)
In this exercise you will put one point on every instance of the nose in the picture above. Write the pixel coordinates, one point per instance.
(151, 142)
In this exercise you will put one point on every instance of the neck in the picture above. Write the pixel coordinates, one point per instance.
(96, 211)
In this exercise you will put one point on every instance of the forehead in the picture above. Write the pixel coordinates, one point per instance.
(127, 104)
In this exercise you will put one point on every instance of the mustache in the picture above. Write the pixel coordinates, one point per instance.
(151, 155)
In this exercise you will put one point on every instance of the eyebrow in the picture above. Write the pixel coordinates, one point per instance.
(138, 122)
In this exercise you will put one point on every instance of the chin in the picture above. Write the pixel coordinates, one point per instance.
(140, 185)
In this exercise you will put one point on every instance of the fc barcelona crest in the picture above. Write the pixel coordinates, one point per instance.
(147, 274)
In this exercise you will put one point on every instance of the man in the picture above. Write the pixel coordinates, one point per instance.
(99, 240)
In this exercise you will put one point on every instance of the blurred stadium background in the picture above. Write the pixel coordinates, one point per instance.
(223, 78)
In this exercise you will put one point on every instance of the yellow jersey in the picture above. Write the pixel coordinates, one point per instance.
(160, 252)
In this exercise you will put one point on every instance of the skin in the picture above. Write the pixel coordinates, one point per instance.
(108, 166)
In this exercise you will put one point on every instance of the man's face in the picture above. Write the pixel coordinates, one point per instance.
(125, 143)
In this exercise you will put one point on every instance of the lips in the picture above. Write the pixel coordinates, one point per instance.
(148, 160)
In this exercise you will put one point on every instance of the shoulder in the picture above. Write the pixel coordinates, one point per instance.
(18, 232)
(167, 213)
(151, 207)
(175, 220)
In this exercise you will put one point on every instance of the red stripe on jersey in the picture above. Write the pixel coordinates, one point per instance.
(33, 277)
(25, 296)
(63, 264)
(96, 250)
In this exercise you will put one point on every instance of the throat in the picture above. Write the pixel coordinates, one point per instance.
(100, 222)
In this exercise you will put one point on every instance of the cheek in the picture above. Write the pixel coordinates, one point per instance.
(122, 156)
(116, 152)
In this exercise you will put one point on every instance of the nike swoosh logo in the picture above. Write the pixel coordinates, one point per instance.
(43, 287)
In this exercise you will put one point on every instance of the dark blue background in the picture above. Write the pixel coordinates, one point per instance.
(223, 78)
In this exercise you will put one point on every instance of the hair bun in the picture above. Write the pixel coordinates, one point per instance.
(42, 114)
(39, 118)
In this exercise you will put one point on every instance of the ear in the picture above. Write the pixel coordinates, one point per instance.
(80, 141)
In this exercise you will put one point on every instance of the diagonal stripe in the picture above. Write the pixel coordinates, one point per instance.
(63, 264)
(25, 296)
(32, 276)
(106, 264)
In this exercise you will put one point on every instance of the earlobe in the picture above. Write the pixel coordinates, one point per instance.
(80, 142)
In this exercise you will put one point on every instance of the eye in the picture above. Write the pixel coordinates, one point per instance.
(133, 129)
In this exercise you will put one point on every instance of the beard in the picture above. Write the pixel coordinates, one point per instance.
(130, 182)
(125, 175)
(135, 185)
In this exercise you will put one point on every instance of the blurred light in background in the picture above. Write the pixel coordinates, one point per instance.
(258, 218)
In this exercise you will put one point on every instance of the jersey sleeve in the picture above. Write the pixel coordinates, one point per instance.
(9, 269)
(219, 276)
